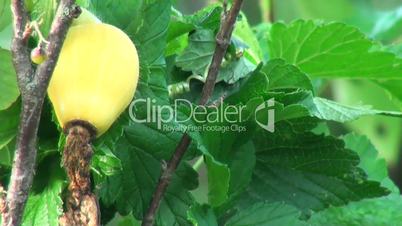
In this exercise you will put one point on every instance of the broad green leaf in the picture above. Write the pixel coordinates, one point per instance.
(260, 87)
(141, 151)
(262, 32)
(5, 37)
(151, 35)
(7, 153)
(235, 179)
(44, 204)
(370, 162)
(284, 76)
(121, 13)
(378, 211)
(44, 208)
(146, 23)
(9, 120)
(266, 214)
(331, 50)
(306, 170)
(300, 104)
(234, 70)
(382, 211)
(128, 220)
(8, 80)
(177, 45)
(257, 85)
(202, 215)
(106, 162)
(244, 32)
(197, 56)
(241, 167)
(5, 14)
(330, 110)
(229, 156)
(218, 182)
(206, 18)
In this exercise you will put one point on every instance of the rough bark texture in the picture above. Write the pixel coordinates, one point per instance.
(222, 42)
(33, 85)
(82, 208)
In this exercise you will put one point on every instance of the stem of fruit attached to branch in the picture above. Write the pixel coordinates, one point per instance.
(81, 205)
(222, 42)
(33, 85)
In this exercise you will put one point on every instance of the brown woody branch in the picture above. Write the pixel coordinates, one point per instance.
(222, 42)
(33, 84)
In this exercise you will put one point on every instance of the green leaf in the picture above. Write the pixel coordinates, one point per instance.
(197, 56)
(382, 211)
(5, 37)
(151, 35)
(44, 204)
(132, 188)
(257, 85)
(107, 163)
(306, 170)
(5, 14)
(370, 162)
(146, 23)
(244, 32)
(330, 110)
(234, 70)
(206, 18)
(218, 182)
(378, 211)
(9, 120)
(121, 13)
(177, 45)
(202, 215)
(331, 50)
(285, 76)
(300, 104)
(128, 220)
(266, 214)
(8, 80)
(44, 208)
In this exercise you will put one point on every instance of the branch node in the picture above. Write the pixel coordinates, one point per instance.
(222, 41)
(73, 12)
(3, 202)
(164, 165)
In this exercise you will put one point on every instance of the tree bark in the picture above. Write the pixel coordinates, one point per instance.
(32, 85)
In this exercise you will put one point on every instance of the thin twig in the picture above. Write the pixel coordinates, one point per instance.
(222, 42)
(33, 85)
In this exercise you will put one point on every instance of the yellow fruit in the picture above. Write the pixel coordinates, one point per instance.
(95, 77)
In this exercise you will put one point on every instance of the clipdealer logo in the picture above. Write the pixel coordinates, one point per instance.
(206, 118)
